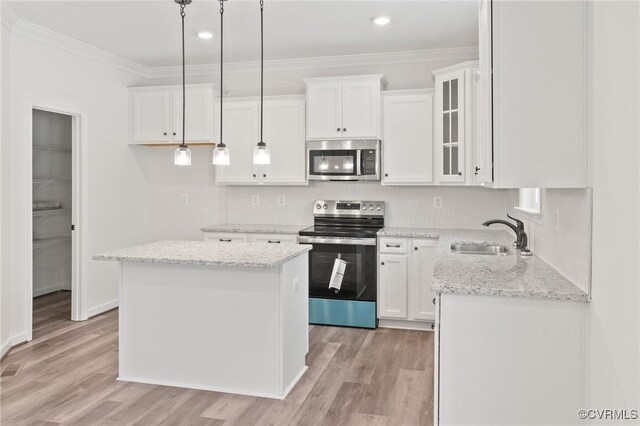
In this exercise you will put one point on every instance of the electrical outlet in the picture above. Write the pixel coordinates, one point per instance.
(184, 198)
(556, 219)
(281, 200)
(255, 200)
(295, 284)
(437, 202)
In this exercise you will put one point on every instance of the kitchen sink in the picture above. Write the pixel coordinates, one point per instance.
(491, 249)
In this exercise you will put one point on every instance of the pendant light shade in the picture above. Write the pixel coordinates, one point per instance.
(221, 154)
(182, 155)
(261, 153)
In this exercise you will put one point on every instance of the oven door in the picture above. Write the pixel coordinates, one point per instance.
(359, 282)
(334, 164)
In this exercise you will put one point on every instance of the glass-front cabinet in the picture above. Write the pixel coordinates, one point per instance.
(450, 126)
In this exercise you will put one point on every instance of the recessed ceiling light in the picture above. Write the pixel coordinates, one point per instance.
(381, 20)
(205, 35)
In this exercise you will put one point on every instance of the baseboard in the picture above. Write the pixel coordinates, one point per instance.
(11, 342)
(50, 289)
(405, 324)
(97, 310)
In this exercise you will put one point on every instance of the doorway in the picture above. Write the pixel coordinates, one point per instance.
(55, 203)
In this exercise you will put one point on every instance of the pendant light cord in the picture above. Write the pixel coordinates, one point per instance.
(221, 61)
(184, 90)
(261, 67)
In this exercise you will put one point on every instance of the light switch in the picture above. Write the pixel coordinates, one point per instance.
(255, 200)
(437, 202)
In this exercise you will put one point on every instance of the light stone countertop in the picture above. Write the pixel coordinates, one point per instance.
(255, 229)
(488, 275)
(208, 253)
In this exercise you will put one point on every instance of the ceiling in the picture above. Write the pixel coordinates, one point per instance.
(148, 32)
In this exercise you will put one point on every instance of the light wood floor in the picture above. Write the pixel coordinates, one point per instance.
(67, 375)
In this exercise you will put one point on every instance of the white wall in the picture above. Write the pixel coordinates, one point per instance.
(405, 206)
(5, 329)
(567, 245)
(614, 315)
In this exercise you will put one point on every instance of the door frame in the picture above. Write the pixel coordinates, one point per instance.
(78, 212)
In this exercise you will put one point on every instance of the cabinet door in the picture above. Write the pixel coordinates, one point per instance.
(483, 142)
(151, 121)
(449, 127)
(274, 238)
(421, 263)
(285, 137)
(392, 293)
(361, 108)
(324, 110)
(240, 134)
(199, 125)
(408, 139)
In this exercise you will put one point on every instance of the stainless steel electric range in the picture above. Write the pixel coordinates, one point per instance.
(344, 230)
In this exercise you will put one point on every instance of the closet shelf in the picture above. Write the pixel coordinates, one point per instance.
(45, 181)
(50, 212)
(46, 149)
(50, 241)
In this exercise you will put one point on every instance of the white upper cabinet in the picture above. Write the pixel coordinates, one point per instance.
(156, 114)
(240, 135)
(284, 134)
(344, 107)
(407, 137)
(450, 126)
(538, 87)
(151, 116)
(199, 110)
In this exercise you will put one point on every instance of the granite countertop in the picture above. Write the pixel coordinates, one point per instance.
(255, 229)
(208, 253)
(510, 275)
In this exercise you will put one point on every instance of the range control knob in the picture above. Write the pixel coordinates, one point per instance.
(318, 206)
(371, 207)
(378, 207)
(364, 207)
(325, 206)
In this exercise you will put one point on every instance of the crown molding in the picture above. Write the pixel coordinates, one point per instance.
(45, 36)
(28, 30)
(323, 62)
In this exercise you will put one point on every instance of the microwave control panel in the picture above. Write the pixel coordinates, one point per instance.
(368, 162)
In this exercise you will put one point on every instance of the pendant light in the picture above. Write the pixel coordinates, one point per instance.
(221, 152)
(182, 155)
(261, 153)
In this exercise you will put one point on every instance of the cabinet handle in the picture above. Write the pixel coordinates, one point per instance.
(386, 175)
(382, 263)
(344, 129)
(165, 133)
(338, 129)
(225, 240)
(459, 173)
(174, 133)
(433, 326)
(477, 170)
(415, 248)
(254, 175)
(434, 300)
(273, 241)
(393, 245)
(264, 175)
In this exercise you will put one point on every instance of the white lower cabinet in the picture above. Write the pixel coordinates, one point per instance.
(508, 361)
(237, 237)
(405, 274)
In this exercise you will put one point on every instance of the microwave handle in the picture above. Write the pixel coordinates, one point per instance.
(359, 162)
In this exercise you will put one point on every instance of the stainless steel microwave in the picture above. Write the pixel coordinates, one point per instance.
(343, 160)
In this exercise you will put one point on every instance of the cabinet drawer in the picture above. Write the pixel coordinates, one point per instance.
(229, 237)
(393, 245)
(274, 238)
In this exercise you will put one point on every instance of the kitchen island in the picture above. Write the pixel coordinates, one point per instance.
(227, 317)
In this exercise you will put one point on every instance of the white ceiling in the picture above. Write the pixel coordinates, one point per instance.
(148, 32)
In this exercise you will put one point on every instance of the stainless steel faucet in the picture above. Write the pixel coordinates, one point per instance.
(518, 228)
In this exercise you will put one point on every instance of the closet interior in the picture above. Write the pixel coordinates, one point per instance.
(52, 200)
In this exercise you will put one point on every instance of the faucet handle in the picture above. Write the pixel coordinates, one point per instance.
(519, 223)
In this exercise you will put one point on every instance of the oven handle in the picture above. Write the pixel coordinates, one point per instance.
(343, 241)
